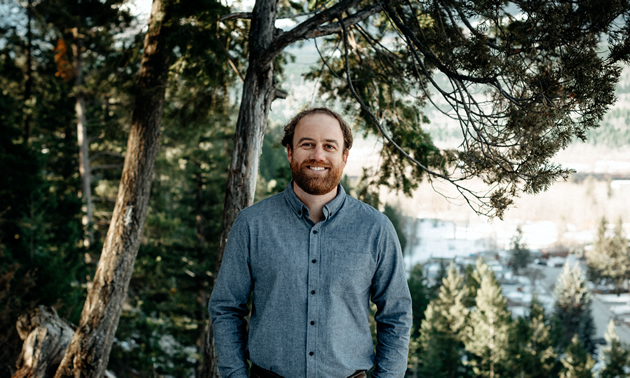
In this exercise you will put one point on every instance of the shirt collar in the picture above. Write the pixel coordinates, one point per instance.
(301, 210)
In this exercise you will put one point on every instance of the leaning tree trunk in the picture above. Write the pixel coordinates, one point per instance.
(83, 142)
(88, 354)
(46, 337)
(258, 93)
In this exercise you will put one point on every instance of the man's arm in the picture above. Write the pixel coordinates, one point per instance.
(393, 318)
(228, 303)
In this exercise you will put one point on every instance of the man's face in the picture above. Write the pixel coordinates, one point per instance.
(318, 156)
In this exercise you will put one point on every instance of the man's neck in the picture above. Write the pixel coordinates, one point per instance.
(315, 203)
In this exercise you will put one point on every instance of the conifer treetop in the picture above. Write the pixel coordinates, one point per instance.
(577, 362)
(611, 336)
(443, 329)
(615, 355)
(487, 332)
(571, 290)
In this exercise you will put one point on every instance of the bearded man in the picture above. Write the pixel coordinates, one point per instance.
(311, 258)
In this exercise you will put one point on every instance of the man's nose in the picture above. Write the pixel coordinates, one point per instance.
(318, 153)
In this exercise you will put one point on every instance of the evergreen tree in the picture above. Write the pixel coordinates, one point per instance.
(472, 282)
(391, 82)
(40, 206)
(520, 256)
(399, 221)
(616, 357)
(39, 203)
(168, 292)
(441, 339)
(86, 31)
(176, 43)
(532, 351)
(412, 356)
(620, 256)
(596, 259)
(573, 307)
(421, 296)
(577, 361)
(488, 329)
(609, 260)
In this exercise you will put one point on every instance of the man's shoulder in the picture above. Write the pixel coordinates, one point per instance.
(365, 212)
(263, 208)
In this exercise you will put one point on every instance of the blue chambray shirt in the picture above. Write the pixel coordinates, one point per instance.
(311, 286)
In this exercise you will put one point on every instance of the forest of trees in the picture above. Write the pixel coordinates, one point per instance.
(128, 149)
(467, 330)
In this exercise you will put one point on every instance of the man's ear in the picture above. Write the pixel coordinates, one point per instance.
(289, 152)
(346, 152)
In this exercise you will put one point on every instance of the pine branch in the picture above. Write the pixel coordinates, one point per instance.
(237, 15)
(313, 28)
(483, 201)
(249, 15)
(402, 26)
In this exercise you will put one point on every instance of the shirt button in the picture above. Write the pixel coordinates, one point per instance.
(310, 353)
(312, 322)
(314, 231)
(313, 261)
(312, 291)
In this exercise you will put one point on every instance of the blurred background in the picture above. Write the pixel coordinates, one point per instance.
(62, 60)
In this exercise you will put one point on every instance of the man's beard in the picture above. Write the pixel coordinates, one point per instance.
(316, 184)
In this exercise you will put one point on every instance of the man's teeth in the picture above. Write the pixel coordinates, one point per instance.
(318, 168)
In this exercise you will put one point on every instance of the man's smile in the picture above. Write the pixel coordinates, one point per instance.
(316, 168)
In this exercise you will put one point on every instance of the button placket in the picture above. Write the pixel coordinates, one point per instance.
(313, 299)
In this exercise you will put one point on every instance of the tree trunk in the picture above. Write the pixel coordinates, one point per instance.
(258, 93)
(82, 141)
(88, 354)
(28, 76)
(46, 338)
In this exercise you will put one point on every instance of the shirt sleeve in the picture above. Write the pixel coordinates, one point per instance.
(228, 303)
(390, 293)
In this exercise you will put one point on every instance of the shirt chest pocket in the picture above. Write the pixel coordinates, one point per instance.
(351, 272)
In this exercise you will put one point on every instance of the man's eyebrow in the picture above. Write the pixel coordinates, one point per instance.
(305, 138)
(331, 141)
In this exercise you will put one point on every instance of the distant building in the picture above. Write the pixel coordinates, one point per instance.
(555, 251)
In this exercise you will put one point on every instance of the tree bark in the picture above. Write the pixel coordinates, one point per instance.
(82, 141)
(46, 338)
(88, 353)
(258, 93)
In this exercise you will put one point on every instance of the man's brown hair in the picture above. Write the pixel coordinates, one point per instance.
(289, 129)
